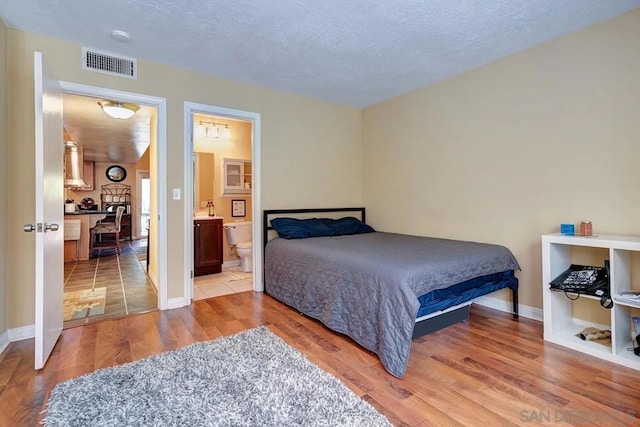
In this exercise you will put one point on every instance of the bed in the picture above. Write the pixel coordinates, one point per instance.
(381, 289)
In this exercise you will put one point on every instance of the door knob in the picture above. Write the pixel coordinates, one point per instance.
(51, 227)
(28, 228)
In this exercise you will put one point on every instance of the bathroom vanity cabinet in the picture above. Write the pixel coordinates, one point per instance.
(207, 241)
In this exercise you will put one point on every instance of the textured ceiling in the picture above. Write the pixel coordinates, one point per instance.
(353, 52)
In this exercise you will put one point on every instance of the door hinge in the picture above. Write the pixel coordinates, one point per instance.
(192, 274)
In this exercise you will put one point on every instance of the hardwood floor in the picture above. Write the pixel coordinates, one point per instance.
(490, 371)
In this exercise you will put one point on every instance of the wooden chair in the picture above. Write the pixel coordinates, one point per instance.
(107, 229)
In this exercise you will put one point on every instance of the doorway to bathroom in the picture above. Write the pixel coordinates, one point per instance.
(223, 224)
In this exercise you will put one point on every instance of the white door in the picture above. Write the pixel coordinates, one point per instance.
(49, 218)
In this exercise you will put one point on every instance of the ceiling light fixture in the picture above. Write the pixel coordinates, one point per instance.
(121, 36)
(118, 110)
(225, 132)
(212, 130)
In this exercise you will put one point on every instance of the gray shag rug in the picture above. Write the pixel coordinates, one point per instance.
(252, 378)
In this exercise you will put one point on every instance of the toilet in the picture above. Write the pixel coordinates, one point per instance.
(239, 234)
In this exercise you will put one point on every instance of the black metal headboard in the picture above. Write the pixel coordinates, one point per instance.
(269, 214)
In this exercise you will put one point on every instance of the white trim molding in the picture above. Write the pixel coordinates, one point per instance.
(233, 263)
(4, 341)
(189, 109)
(178, 302)
(507, 306)
(22, 333)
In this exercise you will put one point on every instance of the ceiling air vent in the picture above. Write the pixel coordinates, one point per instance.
(107, 63)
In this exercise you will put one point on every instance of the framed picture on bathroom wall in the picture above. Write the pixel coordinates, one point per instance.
(238, 208)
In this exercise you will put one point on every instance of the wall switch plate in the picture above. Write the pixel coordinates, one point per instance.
(176, 194)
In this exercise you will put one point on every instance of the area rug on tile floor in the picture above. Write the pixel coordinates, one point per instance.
(84, 303)
(252, 378)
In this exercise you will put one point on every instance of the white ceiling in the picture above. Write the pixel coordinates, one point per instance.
(353, 52)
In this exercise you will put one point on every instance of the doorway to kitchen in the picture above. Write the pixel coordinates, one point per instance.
(222, 201)
(107, 282)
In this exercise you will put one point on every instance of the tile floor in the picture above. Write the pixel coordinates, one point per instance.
(129, 291)
(232, 280)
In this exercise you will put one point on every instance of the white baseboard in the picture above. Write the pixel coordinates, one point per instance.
(22, 333)
(504, 305)
(227, 264)
(4, 340)
(29, 331)
(177, 303)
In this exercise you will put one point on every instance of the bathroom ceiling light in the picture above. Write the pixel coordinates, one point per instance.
(118, 110)
(200, 131)
(225, 132)
(212, 130)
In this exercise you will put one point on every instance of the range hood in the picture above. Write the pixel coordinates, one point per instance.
(73, 166)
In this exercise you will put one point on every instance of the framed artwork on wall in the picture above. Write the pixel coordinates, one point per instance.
(238, 208)
(116, 173)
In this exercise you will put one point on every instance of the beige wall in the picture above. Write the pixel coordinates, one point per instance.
(508, 151)
(143, 163)
(311, 150)
(3, 177)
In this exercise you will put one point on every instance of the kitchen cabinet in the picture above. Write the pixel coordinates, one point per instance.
(236, 176)
(207, 250)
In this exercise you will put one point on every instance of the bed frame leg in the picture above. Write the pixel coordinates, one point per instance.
(515, 302)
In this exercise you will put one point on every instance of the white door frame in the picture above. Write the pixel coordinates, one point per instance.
(189, 109)
(161, 179)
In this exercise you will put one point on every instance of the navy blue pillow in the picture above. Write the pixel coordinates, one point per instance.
(347, 225)
(293, 228)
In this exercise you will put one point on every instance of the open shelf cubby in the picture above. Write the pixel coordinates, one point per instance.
(560, 324)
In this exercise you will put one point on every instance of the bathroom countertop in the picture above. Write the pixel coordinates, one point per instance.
(206, 217)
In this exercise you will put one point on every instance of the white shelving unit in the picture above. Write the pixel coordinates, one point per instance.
(236, 177)
(559, 325)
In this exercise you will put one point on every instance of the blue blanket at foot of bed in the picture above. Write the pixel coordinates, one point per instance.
(441, 299)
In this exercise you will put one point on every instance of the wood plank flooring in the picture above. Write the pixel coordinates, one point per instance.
(489, 371)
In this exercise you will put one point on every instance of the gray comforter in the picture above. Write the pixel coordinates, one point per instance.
(367, 285)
